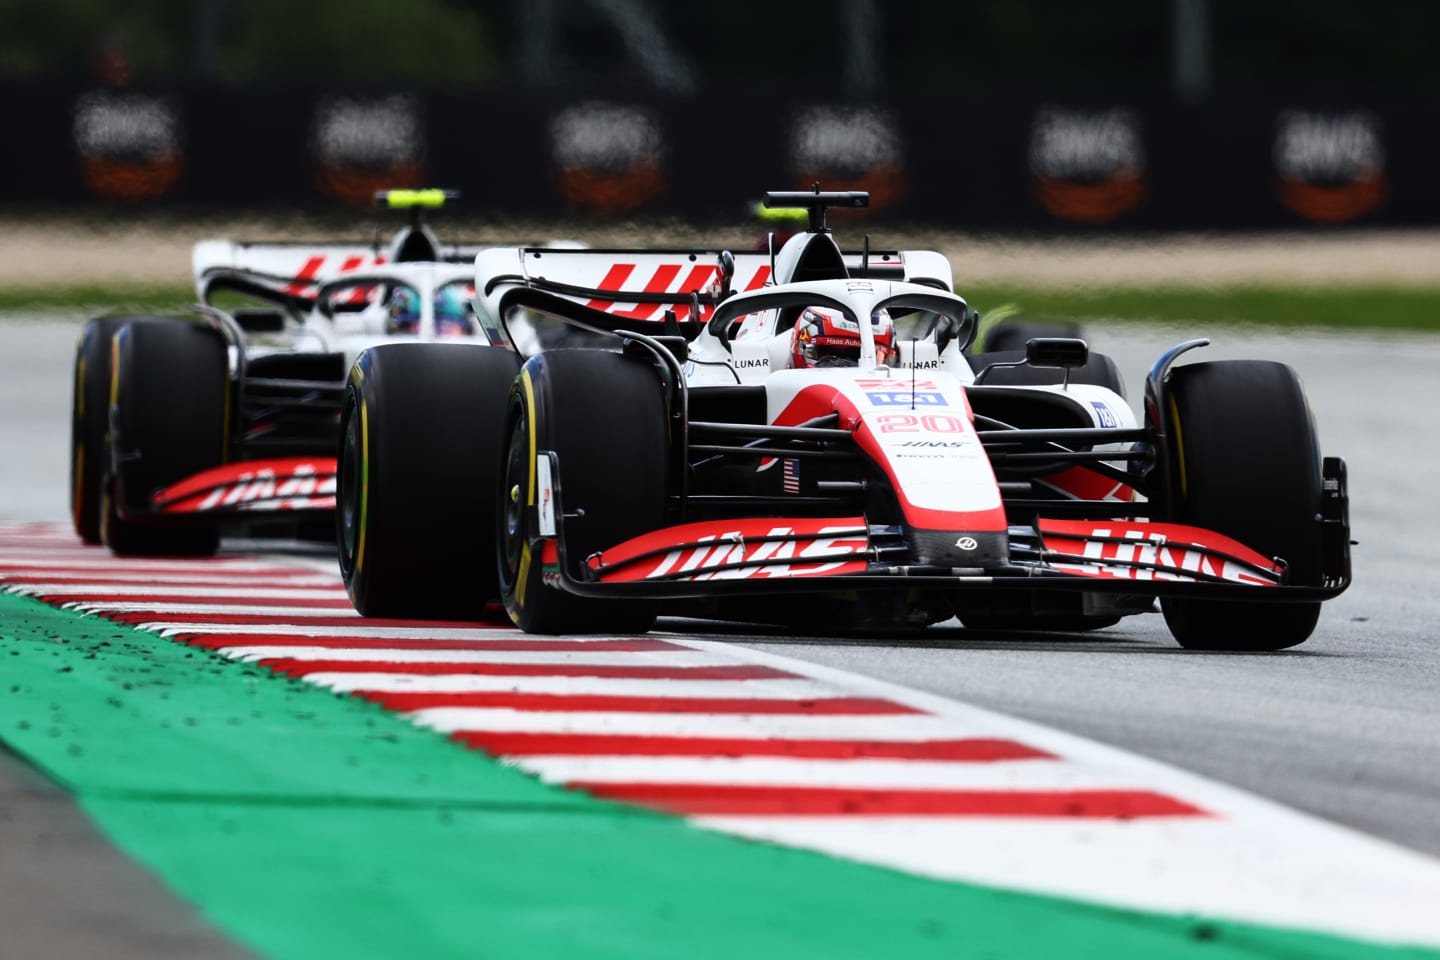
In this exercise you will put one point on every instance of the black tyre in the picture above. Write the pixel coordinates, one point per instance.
(171, 390)
(604, 416)
(421, 434)
(90, 422)
(1099, 370)
(1244, 461)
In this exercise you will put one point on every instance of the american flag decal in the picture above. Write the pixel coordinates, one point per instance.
(792, 476)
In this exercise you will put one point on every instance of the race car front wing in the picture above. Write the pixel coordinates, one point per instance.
(809, 554)
(250, 486)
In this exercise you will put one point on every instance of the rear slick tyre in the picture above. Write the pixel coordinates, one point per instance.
(603, 415)
(171, 390)
(1244, 462)
(421, 433)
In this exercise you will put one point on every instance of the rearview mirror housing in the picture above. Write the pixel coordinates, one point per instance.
(1063, 352)
(259, 320)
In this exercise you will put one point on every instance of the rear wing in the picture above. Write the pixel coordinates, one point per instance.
(290, 270)
(295, 271)
(642, 285)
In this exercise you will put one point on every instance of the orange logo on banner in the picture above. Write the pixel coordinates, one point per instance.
(1334, 204)
(1090, 202)
(606, 194)
(130, 182)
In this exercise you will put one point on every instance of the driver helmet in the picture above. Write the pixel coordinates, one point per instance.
(404, 312)
(452, 313)
(826, 338)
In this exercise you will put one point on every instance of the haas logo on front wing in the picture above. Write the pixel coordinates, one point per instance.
(728, 556)
(264, 487)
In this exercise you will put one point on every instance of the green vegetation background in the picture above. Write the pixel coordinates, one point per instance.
(1102, 47)
(1380, 308)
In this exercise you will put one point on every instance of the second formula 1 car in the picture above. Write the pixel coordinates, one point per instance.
(185, 426)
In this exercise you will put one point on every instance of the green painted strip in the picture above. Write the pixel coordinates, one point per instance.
(1340, 306)
(1368, 307)
(107, 709)
(312, 826)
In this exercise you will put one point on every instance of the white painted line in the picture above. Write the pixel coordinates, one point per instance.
(572, 686)
(279, 613)
(100, 581)
(1036, 774)
(57, 537)
(883, 727)
(13, 559)
(613, 658)
(419, 631)
(160, 589)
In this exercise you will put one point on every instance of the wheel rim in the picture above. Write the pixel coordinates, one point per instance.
(348, 508)
(512, 492)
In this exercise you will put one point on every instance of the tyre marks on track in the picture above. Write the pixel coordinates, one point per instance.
(750, 743)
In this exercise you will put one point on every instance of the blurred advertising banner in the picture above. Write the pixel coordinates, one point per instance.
(1330, 166)
(361, 145)
(129, 145)
(1087, 166)
(1019, 164)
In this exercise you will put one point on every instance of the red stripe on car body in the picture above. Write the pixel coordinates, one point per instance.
(307, 272)
(614, 279)
(659, 283)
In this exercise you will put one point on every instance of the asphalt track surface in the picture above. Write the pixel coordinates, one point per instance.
(68, 895)
(1346, 726)
(65, 892)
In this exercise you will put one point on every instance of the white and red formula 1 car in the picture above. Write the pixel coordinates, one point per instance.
(183, 426)
(800, 437)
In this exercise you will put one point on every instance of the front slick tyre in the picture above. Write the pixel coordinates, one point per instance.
(90, 422)
(1245, 462)
(603, 415)
(420, 448)
(171, 388)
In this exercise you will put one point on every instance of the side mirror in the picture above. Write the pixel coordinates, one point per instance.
(726, 267)
(1056, 352)
(259, 320)
(1060, 352)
